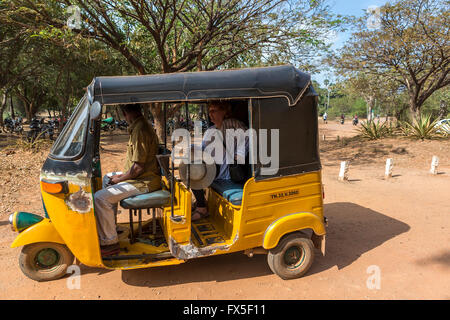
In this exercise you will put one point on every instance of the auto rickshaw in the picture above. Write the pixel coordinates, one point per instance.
(280, 215)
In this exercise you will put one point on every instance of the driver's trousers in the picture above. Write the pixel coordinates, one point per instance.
(105, 204)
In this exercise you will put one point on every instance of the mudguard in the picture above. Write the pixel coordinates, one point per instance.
(291, 223)
(43, 231)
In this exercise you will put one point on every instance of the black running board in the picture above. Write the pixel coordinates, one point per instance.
(154, 256)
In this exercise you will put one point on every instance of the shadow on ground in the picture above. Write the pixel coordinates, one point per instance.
(442, 259)
(353, 230)
(222, 268)
(8, 139)
(4, 223)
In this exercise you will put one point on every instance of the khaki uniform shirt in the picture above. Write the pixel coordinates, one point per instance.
(143, 147)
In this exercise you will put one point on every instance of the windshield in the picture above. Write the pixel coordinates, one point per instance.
(70, 141)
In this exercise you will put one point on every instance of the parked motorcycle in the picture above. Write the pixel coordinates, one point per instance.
(35, 129)
(122, 125)
(108, 124)
(13, 125)
(47, 129)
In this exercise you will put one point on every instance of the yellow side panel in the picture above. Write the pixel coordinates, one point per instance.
(74, 219)
(266, 201)
(292, 223)
(43, 231)
(178, 231)
(226, 216)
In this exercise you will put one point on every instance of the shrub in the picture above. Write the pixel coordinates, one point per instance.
(374, 130)
(37, 144)
(420, 128)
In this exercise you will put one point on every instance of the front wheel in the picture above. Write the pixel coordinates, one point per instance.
(45, 261)
(292, 257)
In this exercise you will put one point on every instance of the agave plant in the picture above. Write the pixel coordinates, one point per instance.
(421, 127)
(374, 130)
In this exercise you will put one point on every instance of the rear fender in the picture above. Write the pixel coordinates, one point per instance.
(43, 231)
(292, 223)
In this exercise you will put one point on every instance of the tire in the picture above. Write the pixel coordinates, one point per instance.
(45, 261)
(292, 257)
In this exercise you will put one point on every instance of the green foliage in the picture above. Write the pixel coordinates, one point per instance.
(420, 128)
(128, 37)
(348, 105)
(374, 130)
(410, 49)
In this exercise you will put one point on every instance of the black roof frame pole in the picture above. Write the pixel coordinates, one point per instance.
(172, 182)
(251, 141)
(188, 167)
(165, 125)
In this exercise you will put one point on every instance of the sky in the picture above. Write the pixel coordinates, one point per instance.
(345, 7)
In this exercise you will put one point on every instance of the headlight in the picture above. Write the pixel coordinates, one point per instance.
(11, 221)
(22, 220)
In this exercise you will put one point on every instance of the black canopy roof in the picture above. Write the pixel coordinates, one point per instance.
(282, 81)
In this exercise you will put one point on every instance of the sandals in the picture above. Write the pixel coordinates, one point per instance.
(110, 250)
(198, 215)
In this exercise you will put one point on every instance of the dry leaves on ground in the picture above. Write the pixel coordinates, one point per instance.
(20, 177)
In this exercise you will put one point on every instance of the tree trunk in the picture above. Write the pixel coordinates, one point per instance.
(13, 115)
(28, 112)
(2, 107)
(414, 108)
(117, 114)
(146, 107)
(370, 102)
(158, 117)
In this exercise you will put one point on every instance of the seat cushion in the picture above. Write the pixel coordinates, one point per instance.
(230, 190)
(147, 200)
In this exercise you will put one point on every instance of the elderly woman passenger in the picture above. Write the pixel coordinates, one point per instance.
(220, 115)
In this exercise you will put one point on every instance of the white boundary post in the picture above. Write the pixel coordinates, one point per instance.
(389, 167)
(343, 173)
(434, 165)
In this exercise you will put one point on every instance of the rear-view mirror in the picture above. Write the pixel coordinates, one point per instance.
(96, 111)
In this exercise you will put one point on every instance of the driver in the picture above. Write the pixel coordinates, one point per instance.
(141, 175)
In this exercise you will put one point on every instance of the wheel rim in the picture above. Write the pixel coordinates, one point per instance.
(294, 257)
(47, 259)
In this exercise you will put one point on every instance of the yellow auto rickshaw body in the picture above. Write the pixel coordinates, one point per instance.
(270, 209)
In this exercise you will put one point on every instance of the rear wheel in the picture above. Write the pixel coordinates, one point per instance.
(45, 261)
(292, 257)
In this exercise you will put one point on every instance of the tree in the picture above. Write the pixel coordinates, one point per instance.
(13, 43)
(168, 36)
(62, 62)
(412, 48)
(379, 91)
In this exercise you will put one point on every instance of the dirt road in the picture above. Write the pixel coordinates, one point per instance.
(397, 229)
